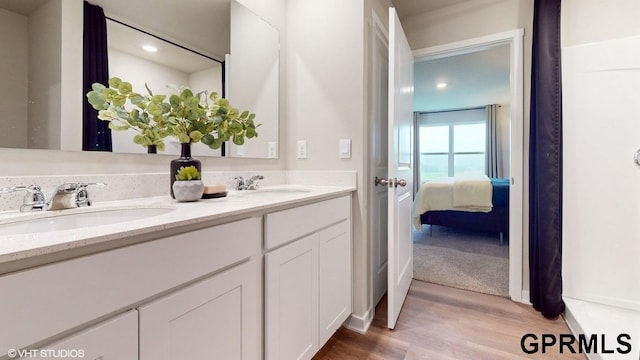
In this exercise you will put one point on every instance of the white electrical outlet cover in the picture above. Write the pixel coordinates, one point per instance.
(301, 150)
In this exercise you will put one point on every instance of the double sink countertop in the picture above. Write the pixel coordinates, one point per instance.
(148, 216)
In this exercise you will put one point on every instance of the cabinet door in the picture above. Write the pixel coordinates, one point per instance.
(216, 318)
(114, 339)
(335, 278)
(291, 300)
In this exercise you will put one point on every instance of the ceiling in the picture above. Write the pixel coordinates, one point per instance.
(202, 25)
(474, 79)
(23, 7)
(405, 8)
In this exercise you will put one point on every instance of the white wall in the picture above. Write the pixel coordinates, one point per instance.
(325, 83)
(71, 36)
(253, 85)
(44, 76)
(472, 19)
(14, 71)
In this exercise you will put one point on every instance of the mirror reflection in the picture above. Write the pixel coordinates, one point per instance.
(35, 97)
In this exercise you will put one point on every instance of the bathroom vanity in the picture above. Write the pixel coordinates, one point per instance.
(264, 274)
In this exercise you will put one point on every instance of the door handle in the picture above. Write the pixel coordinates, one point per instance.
(636, 157)
(391, 182)
(381, 181)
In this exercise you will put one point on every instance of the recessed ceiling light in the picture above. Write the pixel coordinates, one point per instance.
(441, 85)
(150, 48)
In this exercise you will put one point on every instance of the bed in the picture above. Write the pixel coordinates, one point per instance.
(495, 218)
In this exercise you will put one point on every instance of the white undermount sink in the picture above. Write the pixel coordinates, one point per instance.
(77, 220)
(276, 190)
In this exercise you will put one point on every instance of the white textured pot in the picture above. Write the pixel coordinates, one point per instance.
(188, 190)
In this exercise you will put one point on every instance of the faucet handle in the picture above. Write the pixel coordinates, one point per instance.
(252, 184)
(34, 198)
(239, 182)
(79, 191)
(73, 187)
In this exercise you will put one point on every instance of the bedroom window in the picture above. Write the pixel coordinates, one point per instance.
(451, 143)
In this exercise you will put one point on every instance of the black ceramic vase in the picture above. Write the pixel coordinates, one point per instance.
(152, 149)
(184, 160)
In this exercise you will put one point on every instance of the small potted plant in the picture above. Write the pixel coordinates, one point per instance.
(188, 185)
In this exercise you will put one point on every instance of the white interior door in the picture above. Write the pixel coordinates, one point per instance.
(400, 171)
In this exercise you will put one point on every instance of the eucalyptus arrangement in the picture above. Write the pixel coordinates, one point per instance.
(188, 117)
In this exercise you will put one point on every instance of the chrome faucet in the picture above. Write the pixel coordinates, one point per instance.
(77, 190)
(249, 184)
(34, 199)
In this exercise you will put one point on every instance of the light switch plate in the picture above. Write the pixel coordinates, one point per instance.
(301, 150)
(272, 150)
(345, 148)
(240, 150)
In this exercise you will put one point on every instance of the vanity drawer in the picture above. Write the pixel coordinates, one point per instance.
(284, 226)
(68, 294)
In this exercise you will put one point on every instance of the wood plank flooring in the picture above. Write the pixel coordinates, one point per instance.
(439, 322)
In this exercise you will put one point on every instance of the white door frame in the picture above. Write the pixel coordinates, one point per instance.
(514, 38)
(376, 131)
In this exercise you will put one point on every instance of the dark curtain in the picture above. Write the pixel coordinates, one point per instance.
(545, 166)
(96, 135)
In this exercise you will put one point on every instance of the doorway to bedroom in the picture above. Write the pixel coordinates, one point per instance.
(462, 138)
(468, 163)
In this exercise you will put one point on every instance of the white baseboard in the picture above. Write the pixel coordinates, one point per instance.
(526, 299)
(360, 324)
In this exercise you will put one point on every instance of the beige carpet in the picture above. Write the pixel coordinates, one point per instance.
(461, 259)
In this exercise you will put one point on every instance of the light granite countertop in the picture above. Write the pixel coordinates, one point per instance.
(16, 247)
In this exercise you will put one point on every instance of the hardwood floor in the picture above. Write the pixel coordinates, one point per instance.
(439, 322)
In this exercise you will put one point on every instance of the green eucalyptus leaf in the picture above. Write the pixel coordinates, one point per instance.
(183, 138)
(216, 144)
(208, 139)
(186, 93)
(235, 127)
(158, 98)
(238, 139)
(114, 82)
(97, 87)
(116, 127)
(136, 98)
(251, 133)
(119, 100)
(175, 101)
(96, 100)
(125, 88)
(139, 139)
(195, 136)
(155, 109)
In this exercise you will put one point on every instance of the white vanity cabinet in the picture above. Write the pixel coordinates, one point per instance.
(213, 267)
(308, 279)
(113, 339)
(216, 318)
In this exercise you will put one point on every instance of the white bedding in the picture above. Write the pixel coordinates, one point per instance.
(461, 194)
